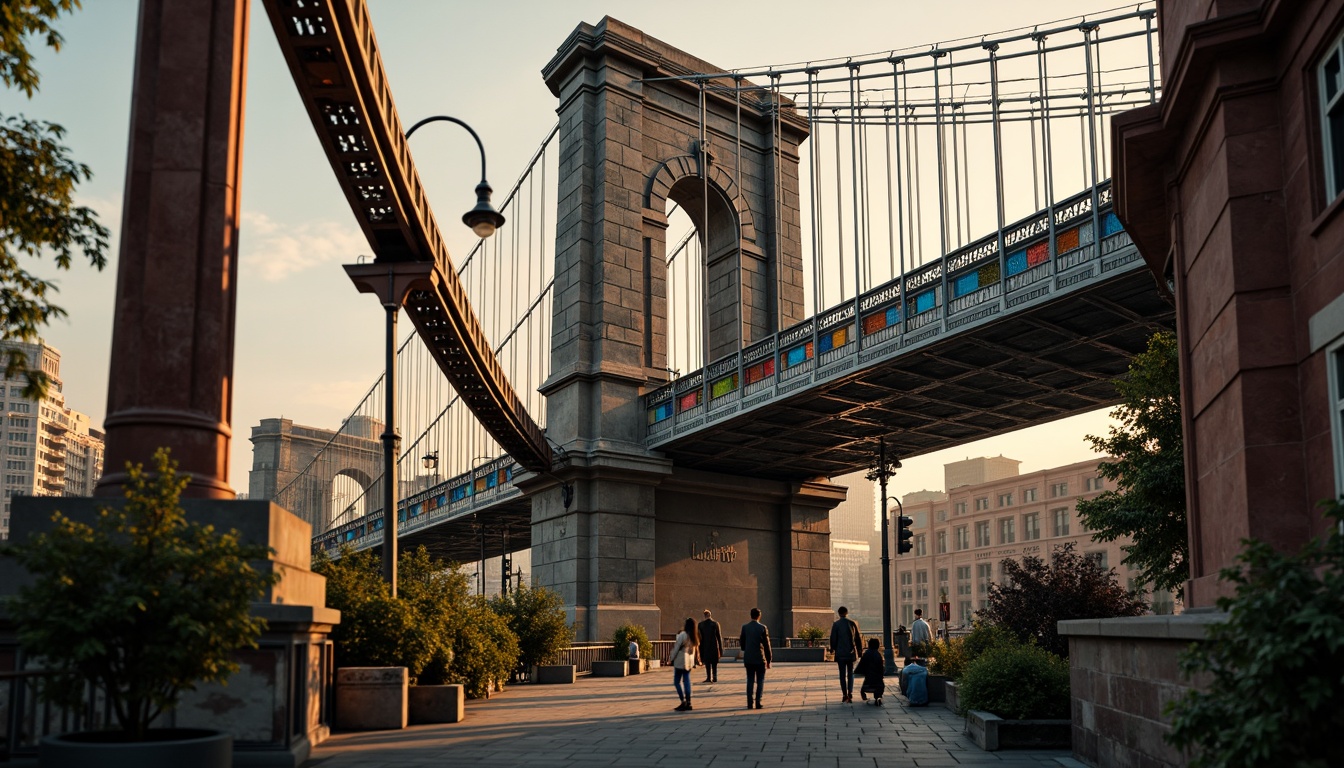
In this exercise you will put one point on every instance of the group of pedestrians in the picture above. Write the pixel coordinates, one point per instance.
(708, 635)
(846, 646)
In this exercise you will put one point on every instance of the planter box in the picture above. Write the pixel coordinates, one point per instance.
(371, 698)
(993, 733)
(951, 701)
(611, 668)
(937, 688)
(638, 666)
(556, 674)
(436, 704)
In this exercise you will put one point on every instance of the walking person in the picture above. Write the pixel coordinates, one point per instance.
(845, 645)
(755, 644)
(711, 647)
(683, 661)
(873, 668)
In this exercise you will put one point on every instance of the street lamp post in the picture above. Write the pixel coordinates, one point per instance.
(483, 220)
(881, 472)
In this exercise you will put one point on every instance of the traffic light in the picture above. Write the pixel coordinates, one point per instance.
(904, 534)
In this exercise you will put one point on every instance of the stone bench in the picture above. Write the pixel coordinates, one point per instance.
(555, 674)
(437, 704)
(371, 698)
(619, 668)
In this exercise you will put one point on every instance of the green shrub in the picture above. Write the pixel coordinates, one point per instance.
(536, 616)
(984, 636)
(484, 650)
(812, 634)
(142, 602)
(437, 591)
(376, 630)
(622, 637)
(949, 657)
(1016, 682)
(1275, 666)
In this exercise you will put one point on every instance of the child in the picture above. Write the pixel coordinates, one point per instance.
(872, 667)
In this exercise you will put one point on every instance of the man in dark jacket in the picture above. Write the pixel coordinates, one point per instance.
(845, 646)
(711, 647)
(755, 643)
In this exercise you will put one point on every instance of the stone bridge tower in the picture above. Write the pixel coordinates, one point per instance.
(281, 450)
(628, 536)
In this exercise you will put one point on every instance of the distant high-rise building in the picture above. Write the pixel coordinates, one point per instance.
(854, 546)
(49, 449)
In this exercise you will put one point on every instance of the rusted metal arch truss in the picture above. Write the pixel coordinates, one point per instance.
(333, 57)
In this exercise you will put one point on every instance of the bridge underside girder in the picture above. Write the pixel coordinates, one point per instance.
(1035, 366)
(460, 540)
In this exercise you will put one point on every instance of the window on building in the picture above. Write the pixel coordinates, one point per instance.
(18, 421)
(940, 515)
(1059, 489)
(942, 543)
(1005, 499)
(964, 611)
(1098, 557)
(1330, 84)
(1031, 526)
(15, 464)
(1028, 495)
(16, 391)
(963, 573)
(17, 436)
(982, 503)
(921, 545)
(18, 450)
(1094, 483)
(906, 578)
(983, 573)
(1007, 530)
(21, 407)
(982, 534)
(942, 578)
(963, 537)
(1061, 519)
(959, 508)
(907, 615)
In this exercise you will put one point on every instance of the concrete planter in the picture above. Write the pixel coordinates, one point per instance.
(937, 688)
(638, 666)
(611, 668)
(993, 733)
(371, 698)
(556, 674)
(436, 704)
(167, 748)
(950, 691)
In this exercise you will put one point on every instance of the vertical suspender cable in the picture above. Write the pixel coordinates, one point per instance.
(839, 207)
(1047, 151)
(900, 273)
(1087, 30)
(942, 203)
(812, 191)
(998, 163)
(1035, 169)
(706, 354)
(891, 203)
(854, 172)
(737, 234)
(956, 157)
(779, 203)
(1148, 39)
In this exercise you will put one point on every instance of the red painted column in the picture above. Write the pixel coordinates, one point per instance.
(171, 374)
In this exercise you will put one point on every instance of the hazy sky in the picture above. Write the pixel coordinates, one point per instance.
(308, 345)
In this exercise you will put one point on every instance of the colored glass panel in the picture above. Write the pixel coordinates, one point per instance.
(416, 509)
(798, 355)
(479, 485)
(723, 386)
(459, 493)
(840, 337)
(827, 343)
(965, 284)
(1110, 225)
(661, 412)
(989, 275)
(1067, 240)
(923, 303)
(893, 315)
(874, 323)
(1038, 254)
(761, 370)
(491, 480)
(688, 400)
(1017, 262)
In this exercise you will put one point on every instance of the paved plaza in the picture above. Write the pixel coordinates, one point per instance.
(629, 721)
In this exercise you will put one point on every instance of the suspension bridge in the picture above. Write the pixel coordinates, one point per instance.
(917, 245)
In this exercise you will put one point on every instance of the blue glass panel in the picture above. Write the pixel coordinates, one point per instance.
(459, 493)
(1017, 262)
(796, 355)
(893, 315)
(827, 343)
(491, 480)
(965, 284)
(1110, 225)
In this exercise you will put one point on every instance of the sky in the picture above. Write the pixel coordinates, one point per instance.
(307, 344)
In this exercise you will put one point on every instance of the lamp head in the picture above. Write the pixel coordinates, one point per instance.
(483, 219)
(430, 461)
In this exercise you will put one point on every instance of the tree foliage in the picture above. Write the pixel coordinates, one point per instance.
(536, 616)
(142, 603)
(1273, 670)
(1148, 504)
(484, 650)
(38, 214)
(1035, 597)
(621, 641)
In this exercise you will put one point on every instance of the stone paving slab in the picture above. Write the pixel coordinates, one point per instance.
(629, 722)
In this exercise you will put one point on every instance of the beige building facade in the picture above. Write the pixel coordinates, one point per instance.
(962, 536)
(48, 449)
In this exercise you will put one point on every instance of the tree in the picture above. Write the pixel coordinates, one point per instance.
(1269, 675)
(37, 184)
(1148, 505)
(142, 603)
(1035, 597)
(376, 629)
(536, 616)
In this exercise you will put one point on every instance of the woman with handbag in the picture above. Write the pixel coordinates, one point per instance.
(683, 661)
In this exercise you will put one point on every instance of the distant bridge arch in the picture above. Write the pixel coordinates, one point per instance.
(283, 450)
